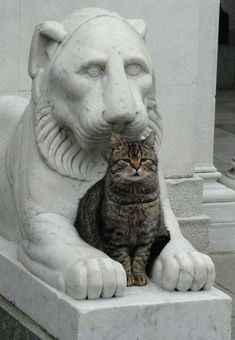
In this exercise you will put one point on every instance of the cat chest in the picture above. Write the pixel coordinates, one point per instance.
(134, 222)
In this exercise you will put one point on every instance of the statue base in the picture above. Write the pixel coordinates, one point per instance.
(143, 313)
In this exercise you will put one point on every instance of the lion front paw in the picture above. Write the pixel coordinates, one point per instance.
(184, 271)
(95, 278)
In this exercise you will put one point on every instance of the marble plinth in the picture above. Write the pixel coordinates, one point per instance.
(143, 313)
(185, 195)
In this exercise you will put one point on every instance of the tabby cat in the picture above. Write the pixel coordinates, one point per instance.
(120, 214)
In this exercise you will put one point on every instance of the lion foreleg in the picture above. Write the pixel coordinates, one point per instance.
(180, 266)
(52, 250)
(52, 277)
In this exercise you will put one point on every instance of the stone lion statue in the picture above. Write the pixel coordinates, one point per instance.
(90, 75)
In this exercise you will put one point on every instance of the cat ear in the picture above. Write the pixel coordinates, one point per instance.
(116, 141)
(150, 140)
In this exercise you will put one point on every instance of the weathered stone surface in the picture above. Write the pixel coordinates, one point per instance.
(186, 196)
(15, 325)
(176, 151)
(9, 46)
(225, 279)
(143, 313)
(176, 63)
(186, 200)
(10, 328)
(76, 101)
(222, 224)
(195, 229)
(221, 237)
(206, 85)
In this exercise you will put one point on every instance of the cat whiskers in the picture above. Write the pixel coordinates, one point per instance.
(118, 177)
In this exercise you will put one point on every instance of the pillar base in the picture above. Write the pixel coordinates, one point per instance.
(219, 206)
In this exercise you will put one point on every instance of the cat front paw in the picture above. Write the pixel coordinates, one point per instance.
(140, 280)
(137, 280)
(130, 280)
(95, 278)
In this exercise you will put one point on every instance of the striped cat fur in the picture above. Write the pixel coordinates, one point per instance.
(120, 214)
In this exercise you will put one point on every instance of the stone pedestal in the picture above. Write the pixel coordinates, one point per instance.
(186, 200)
(143, 313)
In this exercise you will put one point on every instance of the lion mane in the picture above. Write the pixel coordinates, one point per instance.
(61, 151)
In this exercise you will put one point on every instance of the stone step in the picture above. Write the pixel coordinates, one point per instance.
(143, 313)
(219, 205)
(221, 212)
(221, 237)
(221, 227)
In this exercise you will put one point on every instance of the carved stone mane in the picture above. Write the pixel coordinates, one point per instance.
(58, 147)
(61, 151)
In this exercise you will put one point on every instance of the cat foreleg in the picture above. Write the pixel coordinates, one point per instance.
(139, 264)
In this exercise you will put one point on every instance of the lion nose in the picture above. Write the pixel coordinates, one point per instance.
(118, 113)
(119, 101)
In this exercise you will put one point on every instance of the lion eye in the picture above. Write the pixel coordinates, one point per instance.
(134, 70)
(94, 71)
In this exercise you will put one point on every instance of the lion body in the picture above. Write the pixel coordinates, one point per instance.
(10, 115)
(90, 75)
(27, 184)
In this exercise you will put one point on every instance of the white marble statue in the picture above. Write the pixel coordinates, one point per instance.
(90, 74)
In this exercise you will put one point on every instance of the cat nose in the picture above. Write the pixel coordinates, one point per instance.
(135, 164)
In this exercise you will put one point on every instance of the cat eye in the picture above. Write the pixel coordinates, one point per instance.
(143, 160)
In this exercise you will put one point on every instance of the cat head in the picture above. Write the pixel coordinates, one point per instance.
(133, 161)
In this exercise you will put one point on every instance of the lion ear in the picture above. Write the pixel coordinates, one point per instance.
(43, 34)
(139, 26)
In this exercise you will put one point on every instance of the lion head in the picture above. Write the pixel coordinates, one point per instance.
(91, 75)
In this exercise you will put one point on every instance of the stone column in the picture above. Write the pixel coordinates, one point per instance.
(206, 91)
(216, 197)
